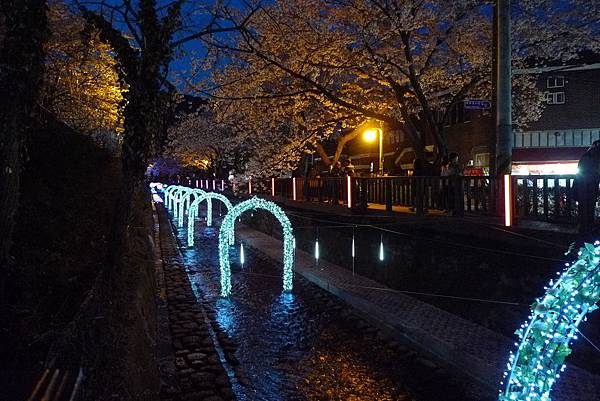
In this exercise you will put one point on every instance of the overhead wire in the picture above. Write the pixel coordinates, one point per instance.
(333, 224)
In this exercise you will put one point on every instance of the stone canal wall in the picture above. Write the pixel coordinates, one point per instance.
(195, 372)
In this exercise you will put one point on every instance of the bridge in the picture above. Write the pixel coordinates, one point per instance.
(521, 200)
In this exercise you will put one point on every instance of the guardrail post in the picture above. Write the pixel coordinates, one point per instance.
(294, 196)
(349, 191)
(419, 198)
(507, 201)
(459, 196)
(388, 194)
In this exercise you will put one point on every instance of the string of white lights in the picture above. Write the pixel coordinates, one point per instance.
(380, 227)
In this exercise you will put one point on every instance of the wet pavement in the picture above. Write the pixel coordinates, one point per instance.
(304, 345)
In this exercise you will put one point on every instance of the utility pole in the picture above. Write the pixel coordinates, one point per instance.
(504, 134)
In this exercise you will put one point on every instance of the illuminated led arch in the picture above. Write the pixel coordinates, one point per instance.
(226, 234)
(179, 194)
(193, 211)
(169, 194)
(174, 195)
(184, 203)
(545, 338)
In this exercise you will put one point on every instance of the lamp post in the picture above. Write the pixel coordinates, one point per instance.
(370, 135)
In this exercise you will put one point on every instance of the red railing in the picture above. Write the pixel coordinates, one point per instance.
(541, 197)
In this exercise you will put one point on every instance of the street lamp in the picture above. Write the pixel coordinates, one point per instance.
(371, 135)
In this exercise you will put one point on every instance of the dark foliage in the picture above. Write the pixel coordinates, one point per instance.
(69, 189)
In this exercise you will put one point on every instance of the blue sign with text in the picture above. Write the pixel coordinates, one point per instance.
(477, 104)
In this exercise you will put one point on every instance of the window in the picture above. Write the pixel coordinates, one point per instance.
(458, 114)
(555, 82)
(555, 97)
(482, 159)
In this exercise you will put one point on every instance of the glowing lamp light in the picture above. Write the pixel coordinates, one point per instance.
(273, 187)
(250, 186)
(222, 185)
(349, 190)
(507, 201)
(381, 254)
(353, 253)
(544, 341)
(370, 135)
(317, 250)
(294, 188)
(227, 233)
(242, 258)
(214, 185)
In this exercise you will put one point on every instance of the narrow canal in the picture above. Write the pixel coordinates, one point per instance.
(304, 345)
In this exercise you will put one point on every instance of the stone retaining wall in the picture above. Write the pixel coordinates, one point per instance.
(198, 370)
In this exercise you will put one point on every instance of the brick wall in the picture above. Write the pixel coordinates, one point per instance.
(582, 101)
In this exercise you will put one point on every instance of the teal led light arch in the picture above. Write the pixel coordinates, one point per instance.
(545, 339)
(174, 196)
(184, 203)
(178, 206)
(193, 211)
(169, 195)
(226, 234)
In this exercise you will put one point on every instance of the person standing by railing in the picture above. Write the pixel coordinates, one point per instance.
(310, 183)
(347, 168)
(422, 168)
(336, 173)
(444, 192)
(455, 174)
(586, 187)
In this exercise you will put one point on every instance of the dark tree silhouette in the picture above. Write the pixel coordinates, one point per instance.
(23, 29)
(144, 50)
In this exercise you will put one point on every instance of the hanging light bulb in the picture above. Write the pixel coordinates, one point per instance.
(242, 258)
(317, 250)
(381, 249)
(353, 251)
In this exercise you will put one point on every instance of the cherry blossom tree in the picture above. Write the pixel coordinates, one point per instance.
(81, 83)
(324, 68)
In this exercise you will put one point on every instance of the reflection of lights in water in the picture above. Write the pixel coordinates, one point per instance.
(287, 298)
(278, 338)
(281, 307)
(225, 314)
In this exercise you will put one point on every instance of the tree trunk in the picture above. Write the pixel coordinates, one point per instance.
(142, 117)
(323, 154)
(344, 139)
(21, 72)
